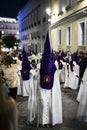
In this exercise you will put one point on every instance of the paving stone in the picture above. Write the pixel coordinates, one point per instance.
(70, 107)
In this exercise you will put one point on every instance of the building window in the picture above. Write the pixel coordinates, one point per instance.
(68, 4)
(60, 7)
(39, 15)
(59, 36)
(81, 33)
(2, 26)
(68, 35)
(44, 19)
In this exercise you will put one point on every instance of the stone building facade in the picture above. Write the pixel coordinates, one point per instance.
(33, 25)
(9, 26)
(69, 25)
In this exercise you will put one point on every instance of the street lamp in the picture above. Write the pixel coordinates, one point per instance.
(48, 11)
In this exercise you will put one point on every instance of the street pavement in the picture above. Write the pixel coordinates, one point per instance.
(70, 107)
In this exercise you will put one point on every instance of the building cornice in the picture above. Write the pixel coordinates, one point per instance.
(78, 14)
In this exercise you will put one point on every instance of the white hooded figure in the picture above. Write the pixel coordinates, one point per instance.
(25, 74)
(33, 95)
(82, 99)
(75, 76)
(71, 76)
(50, 92)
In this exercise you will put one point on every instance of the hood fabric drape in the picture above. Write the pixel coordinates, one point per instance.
(48, 68)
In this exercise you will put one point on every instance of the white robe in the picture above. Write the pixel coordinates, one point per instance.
(71, 81)
(62, 75)
(61, 72)
(74, 80)
(67, 75)
(25, 87)
(82, 98)
(23, 90)
(56, 101)
(19, 90)
(32, 99)
(51, 103)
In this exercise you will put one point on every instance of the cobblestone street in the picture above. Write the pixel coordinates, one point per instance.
(70, 107)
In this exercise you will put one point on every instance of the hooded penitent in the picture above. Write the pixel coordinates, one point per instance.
(25, 66)
(48, 68)
(75, 57)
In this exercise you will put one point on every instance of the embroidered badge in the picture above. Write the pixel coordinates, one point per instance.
(46, 78)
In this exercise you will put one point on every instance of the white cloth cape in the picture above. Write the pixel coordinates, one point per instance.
(32, 99)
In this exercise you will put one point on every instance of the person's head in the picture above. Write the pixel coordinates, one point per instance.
(8, 60)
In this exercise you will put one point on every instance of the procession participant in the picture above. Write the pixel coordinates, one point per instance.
(32, 99)
(61, 69)
(33, 93)
(75, 75)
(80, 92)
(82, 99)
(81, 64)
(50, 91)
(19, 64)
(71, 70)
(25, 73)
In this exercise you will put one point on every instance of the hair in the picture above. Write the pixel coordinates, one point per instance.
(7, 60)
(8, 111)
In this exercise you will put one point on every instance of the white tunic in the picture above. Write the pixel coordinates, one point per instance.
(56, 101)
(71, 80)
(32, 100)
(23, 90)
(25, 87)
(51, 103)
(74, 80)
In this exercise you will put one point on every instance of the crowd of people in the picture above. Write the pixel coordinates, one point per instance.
(40, 80)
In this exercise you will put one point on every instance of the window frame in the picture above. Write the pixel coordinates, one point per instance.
(68, 33)
(68, 3)
(59, 36)
(80, 37)
(60, 6)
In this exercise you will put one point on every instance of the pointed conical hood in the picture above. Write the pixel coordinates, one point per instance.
(47, 48)
(24, 55)
(25, 66)
(47, 66)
